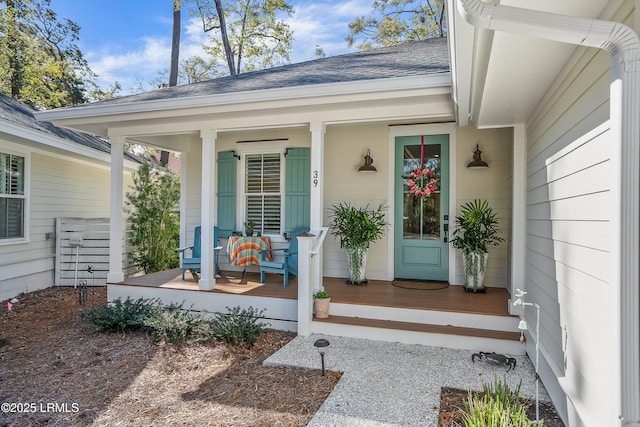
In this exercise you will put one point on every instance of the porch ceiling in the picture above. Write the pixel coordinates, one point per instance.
(500, 78)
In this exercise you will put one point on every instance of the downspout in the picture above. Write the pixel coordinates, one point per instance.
(623, 45)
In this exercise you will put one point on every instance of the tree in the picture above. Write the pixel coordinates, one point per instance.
(253, 34)
(396, 21)
(175, 44)
(40, 60)
(155, 226)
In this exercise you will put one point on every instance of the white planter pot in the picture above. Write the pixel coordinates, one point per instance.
(475, 265)
(321, 307)
(357, 262)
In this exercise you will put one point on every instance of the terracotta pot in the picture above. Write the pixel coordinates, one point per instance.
(321, 307)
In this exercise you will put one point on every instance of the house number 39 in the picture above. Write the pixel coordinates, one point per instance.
(315, 178)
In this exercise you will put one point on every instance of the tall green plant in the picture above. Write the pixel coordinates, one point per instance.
(357, 227)
(155, 228)
(476, 227)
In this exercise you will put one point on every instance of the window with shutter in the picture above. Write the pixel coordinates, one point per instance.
(263, 191)
(12, 196)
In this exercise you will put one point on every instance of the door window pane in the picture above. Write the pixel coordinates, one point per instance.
(421, 215)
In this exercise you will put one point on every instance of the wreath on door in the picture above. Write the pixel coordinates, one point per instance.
(421, 180)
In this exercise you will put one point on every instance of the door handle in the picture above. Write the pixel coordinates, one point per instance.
(446, 232)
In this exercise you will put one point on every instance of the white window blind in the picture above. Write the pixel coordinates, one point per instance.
(263, 191)
(11, 196)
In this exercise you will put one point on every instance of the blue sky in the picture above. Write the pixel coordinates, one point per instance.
(130, 40)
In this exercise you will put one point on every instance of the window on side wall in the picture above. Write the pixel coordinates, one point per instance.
(263, 192)
(12, 196)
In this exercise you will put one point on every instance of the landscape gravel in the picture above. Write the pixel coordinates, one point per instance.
(393, 384)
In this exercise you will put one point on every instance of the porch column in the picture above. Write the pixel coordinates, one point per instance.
(305, 293)
(115, 210)
(318, 130)
(317, 173)
(518, 209)
(207, 209)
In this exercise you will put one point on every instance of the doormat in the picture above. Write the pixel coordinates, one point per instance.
(419, 284)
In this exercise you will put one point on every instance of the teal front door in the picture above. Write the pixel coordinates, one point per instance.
(421, 221)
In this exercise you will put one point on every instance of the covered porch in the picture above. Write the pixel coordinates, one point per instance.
(446, 317)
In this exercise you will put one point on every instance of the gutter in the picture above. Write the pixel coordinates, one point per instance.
(623, 45)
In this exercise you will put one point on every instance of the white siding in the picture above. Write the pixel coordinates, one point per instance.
(59, 187)
(345, 147)
(571, 228)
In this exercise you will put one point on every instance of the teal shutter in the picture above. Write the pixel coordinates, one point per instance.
(297, 189)
(227, 165)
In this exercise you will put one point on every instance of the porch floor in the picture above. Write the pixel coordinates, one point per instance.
(375, 293)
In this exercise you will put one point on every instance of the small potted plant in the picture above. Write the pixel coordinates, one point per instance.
(476, 228)
(321, 302)
(249, 226)
(357, 228)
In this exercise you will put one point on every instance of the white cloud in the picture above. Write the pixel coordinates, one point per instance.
(324, 23)
(145, 60)
(321, 23)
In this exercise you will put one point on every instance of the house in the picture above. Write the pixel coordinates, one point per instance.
(46, 173)
(548, 91)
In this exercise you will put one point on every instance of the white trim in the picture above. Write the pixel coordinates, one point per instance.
(26, 213)
(412, 130)
(260, 147)
(285, 93)
(52, 141)
(518, 211)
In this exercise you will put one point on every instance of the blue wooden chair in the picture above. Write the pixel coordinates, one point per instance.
(290, 264)
(193, 264)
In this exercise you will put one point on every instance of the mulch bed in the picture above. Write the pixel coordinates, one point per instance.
(452, 406)
(64, 372)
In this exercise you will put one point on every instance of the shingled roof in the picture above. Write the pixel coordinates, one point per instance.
(21, 114)
(424, 57)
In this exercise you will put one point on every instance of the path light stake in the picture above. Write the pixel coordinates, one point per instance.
(523, 327)
(322, 346)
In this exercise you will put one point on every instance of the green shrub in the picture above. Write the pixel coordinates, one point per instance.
(321, 295)
(119, 316)
(175, 325)
(496, 406)
(155, 227)
(238, 326)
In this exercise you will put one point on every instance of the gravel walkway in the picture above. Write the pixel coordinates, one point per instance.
(392, 384)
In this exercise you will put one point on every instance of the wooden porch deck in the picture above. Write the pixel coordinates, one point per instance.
(376, 293)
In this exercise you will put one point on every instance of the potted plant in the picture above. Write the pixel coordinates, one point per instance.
(321, 302)
(249, 226)
(357, 228)
(476, 228)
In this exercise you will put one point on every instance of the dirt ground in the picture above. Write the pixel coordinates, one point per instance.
(58, 370)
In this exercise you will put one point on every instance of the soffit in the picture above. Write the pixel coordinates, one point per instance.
(502, 77)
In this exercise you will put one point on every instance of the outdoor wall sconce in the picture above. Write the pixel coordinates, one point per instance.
(322, 346)
(477, 162)
(368, 163)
